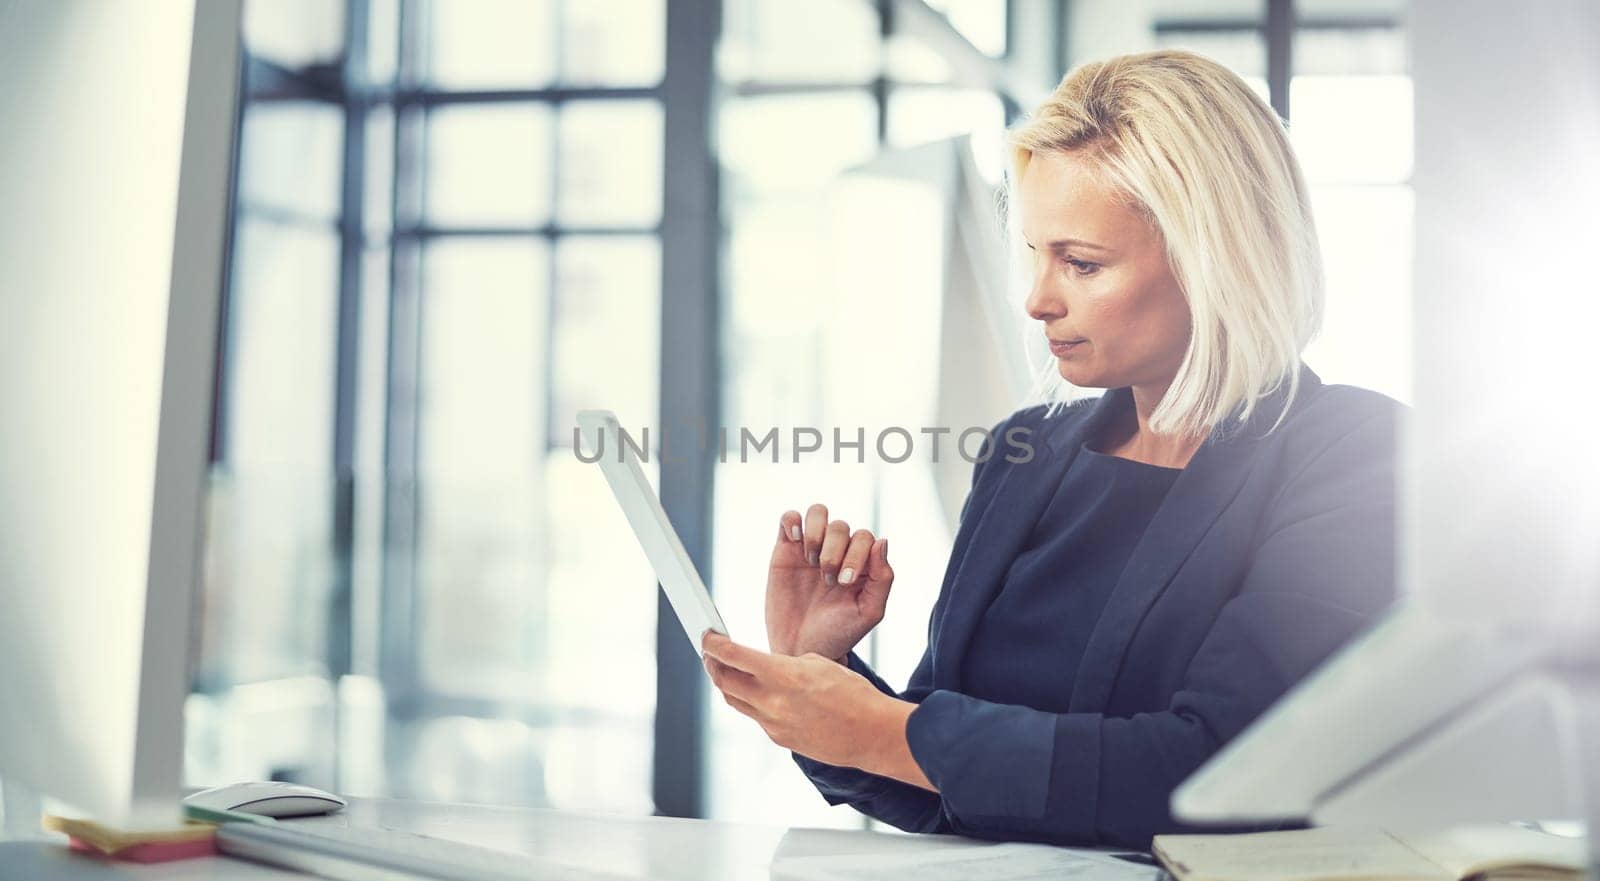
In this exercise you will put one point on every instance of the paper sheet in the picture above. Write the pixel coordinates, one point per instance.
(997, 862)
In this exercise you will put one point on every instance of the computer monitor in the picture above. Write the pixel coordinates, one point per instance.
(1479, 699)
(115, 165)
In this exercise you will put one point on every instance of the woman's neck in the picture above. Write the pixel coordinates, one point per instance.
(1130, 436)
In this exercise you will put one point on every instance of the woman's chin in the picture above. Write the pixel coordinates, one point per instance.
(1075, 373)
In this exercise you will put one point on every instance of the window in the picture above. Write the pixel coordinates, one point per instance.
(409, 582)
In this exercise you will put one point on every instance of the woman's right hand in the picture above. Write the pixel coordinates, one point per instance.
(827, 587)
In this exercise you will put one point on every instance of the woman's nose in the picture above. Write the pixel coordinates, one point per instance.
(1044, 303)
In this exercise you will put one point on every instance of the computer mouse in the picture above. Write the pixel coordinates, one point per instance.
(268, 799)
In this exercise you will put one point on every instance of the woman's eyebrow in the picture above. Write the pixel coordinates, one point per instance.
(1058, 244)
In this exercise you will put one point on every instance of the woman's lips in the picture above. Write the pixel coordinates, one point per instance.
(1060, 348)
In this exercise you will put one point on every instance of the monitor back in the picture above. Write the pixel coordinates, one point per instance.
(115, 165)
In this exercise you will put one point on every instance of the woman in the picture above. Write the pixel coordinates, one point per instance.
(1174, 555)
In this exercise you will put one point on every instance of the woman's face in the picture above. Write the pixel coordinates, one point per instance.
(1100, 277)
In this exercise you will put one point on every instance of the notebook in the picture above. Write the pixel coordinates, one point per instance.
(1501, 852)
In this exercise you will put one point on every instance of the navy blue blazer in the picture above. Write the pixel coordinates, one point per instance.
(1267, 554)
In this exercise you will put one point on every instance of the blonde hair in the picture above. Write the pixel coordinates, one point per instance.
(1209, 164)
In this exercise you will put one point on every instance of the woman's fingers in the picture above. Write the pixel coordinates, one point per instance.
(731, 681)
(742, 706)
(816, 524)
(835, 541)
(734, 656)
(791, 527)
(788, 551)
(842, 556)
(878, 568)
(855, 556)
(879, 578)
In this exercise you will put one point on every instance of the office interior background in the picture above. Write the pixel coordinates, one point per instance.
(457, 222)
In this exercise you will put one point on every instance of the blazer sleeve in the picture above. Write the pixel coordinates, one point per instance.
(1322, 572)
(899, 804)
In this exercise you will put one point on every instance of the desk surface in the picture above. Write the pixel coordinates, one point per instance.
(647, 847)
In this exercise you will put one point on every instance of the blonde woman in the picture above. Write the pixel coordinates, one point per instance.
(1175, 554)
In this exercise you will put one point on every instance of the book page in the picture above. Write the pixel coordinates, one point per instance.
(1470, 850)
(997, 862)
(1296, 855)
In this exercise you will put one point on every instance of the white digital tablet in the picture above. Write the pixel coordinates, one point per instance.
(674, 570)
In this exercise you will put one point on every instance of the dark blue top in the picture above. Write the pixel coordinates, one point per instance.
(1271, 549)
(1060, 580)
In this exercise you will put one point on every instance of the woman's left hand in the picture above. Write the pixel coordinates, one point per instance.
(808, 704)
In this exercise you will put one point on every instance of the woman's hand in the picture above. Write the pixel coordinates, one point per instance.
(826, 586)
(816, 708)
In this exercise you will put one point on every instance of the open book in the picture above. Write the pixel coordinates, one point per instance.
(1345, 854)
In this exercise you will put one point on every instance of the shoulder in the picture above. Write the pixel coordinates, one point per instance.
(1338, 451)
(1345, 422)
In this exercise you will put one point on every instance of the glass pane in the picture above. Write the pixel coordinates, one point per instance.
(611, 156)
(488, 44)
(1348, 51)
(285, 729)
(601, 621)
(268, 573)
(294, 33)
(982, 22)
(383, 41)
(779, 259)
(1352, 128)
(920, 115)
(1366, 235)
(1313, 10)
(607, 331)
(482, 389)
(1209, 11)
(488, 165)
(1244, 51)
(749, 779)
(282, 314)
(827, 41)
(598, 766)
(616, 43)
(909, 59)
(269, 576)
(604, 769)
(796, 142)
(290, 158)
(461, 759)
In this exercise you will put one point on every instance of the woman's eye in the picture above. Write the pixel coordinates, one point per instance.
(1083, 267)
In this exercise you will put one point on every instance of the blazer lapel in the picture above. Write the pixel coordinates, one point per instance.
(1207, 485)
(1017, 501)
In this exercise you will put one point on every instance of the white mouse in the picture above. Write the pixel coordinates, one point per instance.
(268, 799)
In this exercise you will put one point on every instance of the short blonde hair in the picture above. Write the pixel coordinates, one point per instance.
(1209, 164)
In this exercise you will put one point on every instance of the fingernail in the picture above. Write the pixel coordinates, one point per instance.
(827, 578)
(812, 558)
(794, 533)
(846, 575)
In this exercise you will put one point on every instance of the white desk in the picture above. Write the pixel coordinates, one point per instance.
(649, 847)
